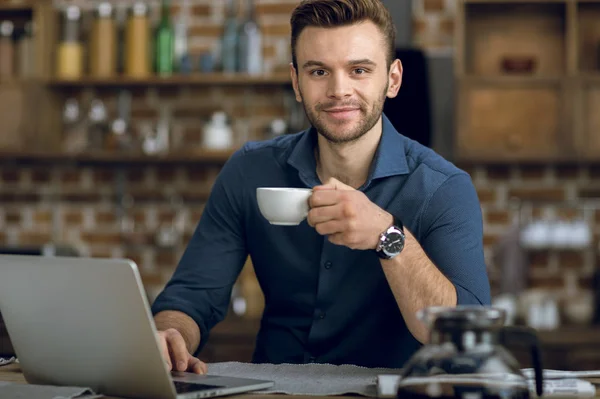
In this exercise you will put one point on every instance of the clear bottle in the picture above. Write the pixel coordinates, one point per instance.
(103, 46)
(76, 136)
(229, 42)
(26, 52)
(250, 43)
(98, 126)
(164, 42)
(137, 46)
(7, 50)
(181, 51)
(70, 49)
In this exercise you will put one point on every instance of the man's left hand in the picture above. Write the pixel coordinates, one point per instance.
(347, 216)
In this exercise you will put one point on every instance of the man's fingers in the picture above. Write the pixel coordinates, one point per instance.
(165, 350)
(323, 198)
(323, 214)
(331, 227)
(336, 239)
(333, 184)
(177, 349)
(196, 366)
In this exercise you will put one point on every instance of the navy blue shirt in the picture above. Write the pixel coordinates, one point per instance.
(323, 302)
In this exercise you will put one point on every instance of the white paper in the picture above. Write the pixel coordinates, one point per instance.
(566, 387)
(4, 362)
(550, 374)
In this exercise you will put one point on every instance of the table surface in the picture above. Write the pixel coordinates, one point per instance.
(12, 373)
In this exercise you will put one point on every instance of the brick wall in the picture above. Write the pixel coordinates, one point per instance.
(76, 204)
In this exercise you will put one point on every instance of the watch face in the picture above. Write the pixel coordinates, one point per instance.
(394, 243)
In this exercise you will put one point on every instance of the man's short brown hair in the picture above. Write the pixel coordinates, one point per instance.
(334, 13)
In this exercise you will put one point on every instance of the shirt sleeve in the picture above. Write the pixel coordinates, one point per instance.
(202, 283)
(453, 238)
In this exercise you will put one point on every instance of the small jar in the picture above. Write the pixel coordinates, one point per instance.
(137, 46)
(7, 50)
(70, 48)
(103, 45)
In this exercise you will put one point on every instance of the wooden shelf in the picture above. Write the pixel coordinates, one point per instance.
(199, 156)
(178, 80)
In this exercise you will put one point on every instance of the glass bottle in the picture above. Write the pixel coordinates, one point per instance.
(7, 50)
(70, 48)
(164, 42)
(103, 51)
(137, 47)
(26, 51)
(230, 39)
(180, 48)
(250, 43)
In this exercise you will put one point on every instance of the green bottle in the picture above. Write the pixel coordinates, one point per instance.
(165, 37)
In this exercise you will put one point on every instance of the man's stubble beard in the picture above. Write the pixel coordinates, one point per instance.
(368, 121)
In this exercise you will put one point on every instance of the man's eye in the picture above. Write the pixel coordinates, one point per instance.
(318, 72)
(360, 71)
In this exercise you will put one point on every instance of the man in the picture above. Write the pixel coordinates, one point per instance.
(394, 229)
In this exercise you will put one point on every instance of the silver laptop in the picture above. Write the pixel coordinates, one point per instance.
(86, 322)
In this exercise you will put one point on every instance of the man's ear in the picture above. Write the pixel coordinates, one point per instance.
(394, 79)
(294, 76)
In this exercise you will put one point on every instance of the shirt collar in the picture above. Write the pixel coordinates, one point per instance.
(389, 160)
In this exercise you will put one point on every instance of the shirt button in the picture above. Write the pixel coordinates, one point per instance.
(328, 265)
(322, 315)
(312, 359)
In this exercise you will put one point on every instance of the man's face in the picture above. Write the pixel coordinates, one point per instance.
(343, 79)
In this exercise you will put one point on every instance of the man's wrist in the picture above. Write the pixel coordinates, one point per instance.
(181, 322)
(388, 221)
(391, 241)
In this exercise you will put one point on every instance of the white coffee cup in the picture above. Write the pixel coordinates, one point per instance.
(283, 206)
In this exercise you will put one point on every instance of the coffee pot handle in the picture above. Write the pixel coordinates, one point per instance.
(526, 336)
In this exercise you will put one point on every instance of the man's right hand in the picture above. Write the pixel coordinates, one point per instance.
(175, 353)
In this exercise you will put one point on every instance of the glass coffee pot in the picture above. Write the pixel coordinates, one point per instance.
(465, 357)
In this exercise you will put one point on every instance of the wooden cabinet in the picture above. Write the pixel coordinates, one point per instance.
(528, 78)
(511, 120)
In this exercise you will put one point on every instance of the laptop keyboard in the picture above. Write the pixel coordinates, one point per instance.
(185, 387)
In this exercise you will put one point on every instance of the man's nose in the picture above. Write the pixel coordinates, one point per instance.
(339, 86)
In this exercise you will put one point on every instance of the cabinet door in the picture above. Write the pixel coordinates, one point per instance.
(499, 121)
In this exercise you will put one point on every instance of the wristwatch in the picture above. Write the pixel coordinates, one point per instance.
(391, 241)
